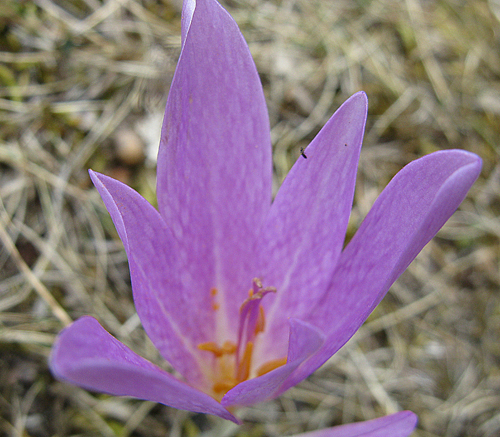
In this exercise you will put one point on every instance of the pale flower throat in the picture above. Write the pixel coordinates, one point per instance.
(233, 362)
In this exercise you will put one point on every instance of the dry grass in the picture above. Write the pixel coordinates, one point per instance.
(77, 75)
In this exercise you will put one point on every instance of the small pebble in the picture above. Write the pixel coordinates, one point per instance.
(129, 147)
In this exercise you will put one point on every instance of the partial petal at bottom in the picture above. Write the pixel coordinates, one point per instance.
(396, 425)
(85, 354)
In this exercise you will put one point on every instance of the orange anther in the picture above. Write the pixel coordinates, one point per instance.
(213, 291)
(261, 321)
(271, 365)
(210, 346)
(228, 347)
(243, 371)
(215, 306)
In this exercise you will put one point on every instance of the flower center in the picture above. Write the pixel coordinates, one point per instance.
(233, 362)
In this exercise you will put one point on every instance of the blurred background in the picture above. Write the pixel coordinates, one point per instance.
(83, 84)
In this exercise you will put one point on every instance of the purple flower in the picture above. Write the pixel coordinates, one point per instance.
(242, 297)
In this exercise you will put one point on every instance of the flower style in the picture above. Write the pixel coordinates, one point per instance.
(245, 297)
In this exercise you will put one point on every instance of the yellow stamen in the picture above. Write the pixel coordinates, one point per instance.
(243, 371)
(232, 362)
(271, 365)
(228, 347)
(261, 321)
(224, 386)
(210, 346)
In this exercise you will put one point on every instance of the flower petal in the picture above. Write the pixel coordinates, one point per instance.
(188, 7)
(408, 213)
(396, 425)
(305, 340)
(86, 355)
(175, 317)
(305, 229)
(214, 163)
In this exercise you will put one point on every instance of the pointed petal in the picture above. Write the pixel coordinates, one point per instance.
(305, 340)
(408, 213)
(187, 15)
(214, 163)
(86, 355)
(175, 317)
(305, 229)
(396, 425)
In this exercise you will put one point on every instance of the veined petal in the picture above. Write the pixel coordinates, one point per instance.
(396, 425)
(214, 163)
(305, 229)
(408, 213)
(304, 341)
(175, 317)
(86, 355)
